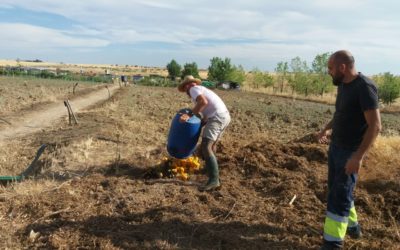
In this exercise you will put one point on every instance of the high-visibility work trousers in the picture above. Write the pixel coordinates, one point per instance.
(341, 212)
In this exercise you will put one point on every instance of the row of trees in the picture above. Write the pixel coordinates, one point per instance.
(175, 70)
(304, 79)
(220, 70)
(69, 76)
(295, 76)
(315, 80)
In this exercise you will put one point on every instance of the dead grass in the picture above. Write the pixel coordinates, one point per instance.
(18, 93)
(394, 108)
(328, 98)
(20, 158)
(31, 190)
(383, 159)
(74, 159)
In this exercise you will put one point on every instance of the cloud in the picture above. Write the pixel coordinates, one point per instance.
(5, 6)
(249, 32)
(187, 21)
(19, 36)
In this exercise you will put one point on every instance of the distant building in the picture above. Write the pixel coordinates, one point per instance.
(137, 77)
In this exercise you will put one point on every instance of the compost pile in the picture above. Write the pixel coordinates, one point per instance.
(171, 167)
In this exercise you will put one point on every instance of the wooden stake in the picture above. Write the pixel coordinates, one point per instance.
(69, 113)
(109, 94)
(73, 115)
(73, 88)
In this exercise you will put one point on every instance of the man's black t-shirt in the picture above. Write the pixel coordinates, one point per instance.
(349, 124)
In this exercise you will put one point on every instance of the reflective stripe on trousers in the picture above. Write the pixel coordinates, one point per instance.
(353, 219)
(335, 226)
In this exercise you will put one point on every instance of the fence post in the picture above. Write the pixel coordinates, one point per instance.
(73, 88)
(70, 112)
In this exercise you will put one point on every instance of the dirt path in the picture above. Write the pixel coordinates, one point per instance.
(40, 119)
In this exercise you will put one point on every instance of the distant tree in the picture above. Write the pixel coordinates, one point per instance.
(320, 68)
(174, 69)
(220, 70)
(320, 63)
(190, 69)
(19, 64)
(297, 65)
(237, 74)
(389, 89)
(282, 71)
(300, 80)
(261, 79)
(268, 80)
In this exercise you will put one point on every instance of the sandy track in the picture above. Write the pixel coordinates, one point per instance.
(41, 119)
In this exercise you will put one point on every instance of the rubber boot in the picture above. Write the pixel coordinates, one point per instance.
(213, 175)
(329, 247)
(203, 170)
(354, 232)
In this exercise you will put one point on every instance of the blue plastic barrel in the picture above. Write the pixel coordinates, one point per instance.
(183, 137)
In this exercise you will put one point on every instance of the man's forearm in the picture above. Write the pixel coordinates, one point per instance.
(369, 138)
(198, 108)
(373, 119)
(201, 104)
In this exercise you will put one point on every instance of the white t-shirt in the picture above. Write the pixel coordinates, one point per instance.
(215, 104)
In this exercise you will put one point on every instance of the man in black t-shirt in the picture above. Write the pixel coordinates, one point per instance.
(355, 125)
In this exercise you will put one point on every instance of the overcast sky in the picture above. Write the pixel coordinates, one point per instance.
(253, 33)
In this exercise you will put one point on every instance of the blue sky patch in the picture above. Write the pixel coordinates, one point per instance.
(43, 19)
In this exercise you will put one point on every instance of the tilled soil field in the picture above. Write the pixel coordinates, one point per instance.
(90, 192)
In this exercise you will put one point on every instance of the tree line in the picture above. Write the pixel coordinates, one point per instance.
(46, 74)
(295, 76)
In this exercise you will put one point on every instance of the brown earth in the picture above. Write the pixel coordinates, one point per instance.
(41, 117)
(90, 192)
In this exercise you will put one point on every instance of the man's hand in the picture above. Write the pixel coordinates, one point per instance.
(323, 136)
(353, 165)
(184, 118)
